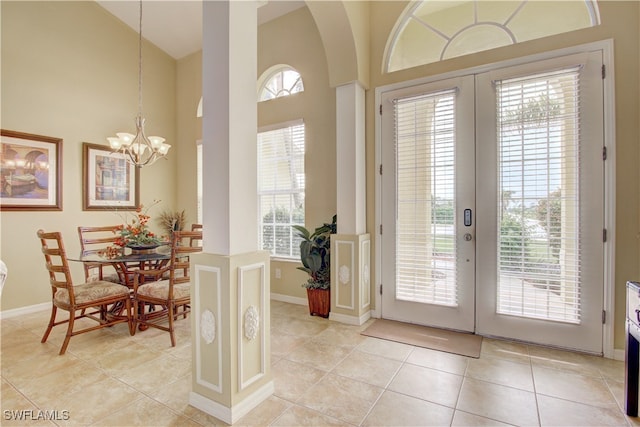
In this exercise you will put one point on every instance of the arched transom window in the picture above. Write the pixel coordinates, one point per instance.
(434, 30)
(277, 81)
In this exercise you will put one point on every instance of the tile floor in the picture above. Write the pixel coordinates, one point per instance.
(325, 373)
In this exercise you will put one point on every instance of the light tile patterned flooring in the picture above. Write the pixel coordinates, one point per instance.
(325, 373)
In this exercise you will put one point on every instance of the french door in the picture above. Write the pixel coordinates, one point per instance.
(492, 203)
(428, 162)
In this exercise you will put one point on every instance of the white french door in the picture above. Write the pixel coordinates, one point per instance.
(492, 203)
(428, 181)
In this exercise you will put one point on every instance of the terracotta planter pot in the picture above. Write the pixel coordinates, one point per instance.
(319, 302)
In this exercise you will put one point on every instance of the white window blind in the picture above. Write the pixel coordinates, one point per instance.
(538, 128)
(281, 184)
(425, 193)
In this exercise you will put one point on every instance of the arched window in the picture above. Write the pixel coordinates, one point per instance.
(277, 81)
(430, 31)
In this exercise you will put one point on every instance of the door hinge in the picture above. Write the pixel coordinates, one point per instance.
(380, 288)
(604, 153)
(380, 168)
(380, 228)
(604, 317)
(380, 109)
(604, 235)
(604, 72)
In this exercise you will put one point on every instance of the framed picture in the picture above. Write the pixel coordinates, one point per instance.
(31, 172)
(109, 181)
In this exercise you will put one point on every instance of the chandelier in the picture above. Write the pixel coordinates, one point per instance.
(139, 149)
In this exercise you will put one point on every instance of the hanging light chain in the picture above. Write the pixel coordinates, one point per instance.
(139, 149)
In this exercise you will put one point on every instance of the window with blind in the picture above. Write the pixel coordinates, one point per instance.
(538, 121)
(281, 185)
(425, 198)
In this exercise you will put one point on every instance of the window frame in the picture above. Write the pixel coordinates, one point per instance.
(272, 73)
(260, 194)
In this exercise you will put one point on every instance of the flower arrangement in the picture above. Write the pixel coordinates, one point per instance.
(136, 232)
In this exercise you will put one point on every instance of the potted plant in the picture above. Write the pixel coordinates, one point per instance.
(172, 221)
(315, 254)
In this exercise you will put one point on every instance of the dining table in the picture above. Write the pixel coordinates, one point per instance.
(129, 264)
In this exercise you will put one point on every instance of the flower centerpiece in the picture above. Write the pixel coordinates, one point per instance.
(135, 233)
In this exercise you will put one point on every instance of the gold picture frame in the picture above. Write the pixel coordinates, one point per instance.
(31, 172)
(109, 181)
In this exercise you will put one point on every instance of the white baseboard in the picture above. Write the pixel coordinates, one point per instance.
(350, 320)
(8, 314)
(233, 414)
(289, 299)
(618, 354)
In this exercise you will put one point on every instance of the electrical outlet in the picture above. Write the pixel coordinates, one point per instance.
(278, 273)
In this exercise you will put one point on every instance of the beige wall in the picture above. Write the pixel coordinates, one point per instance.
(69, 70)
(294, 40)
(189, 92)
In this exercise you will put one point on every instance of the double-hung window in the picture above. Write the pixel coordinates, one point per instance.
(281, 184)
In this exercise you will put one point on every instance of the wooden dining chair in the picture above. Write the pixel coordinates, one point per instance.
(105, 302)
(193, 241)
(173, 294)
(94, 240)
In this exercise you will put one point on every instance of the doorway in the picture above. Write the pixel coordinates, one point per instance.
(492, 210)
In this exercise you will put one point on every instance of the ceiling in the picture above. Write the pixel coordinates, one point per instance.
(175, 26)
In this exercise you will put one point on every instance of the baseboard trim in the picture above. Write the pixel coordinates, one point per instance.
(350, 320)
(16, 312)
(233, 414)
(289, 299)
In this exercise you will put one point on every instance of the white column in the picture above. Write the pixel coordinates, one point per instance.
(229, 126)
(351, 160)
(351, 247)
(230, 279)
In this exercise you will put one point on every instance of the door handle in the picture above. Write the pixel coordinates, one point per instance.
(468, 220)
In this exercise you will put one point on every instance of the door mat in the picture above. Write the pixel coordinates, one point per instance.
(464, 344)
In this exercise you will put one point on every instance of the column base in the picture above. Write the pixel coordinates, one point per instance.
(350, 278)
(231, 342)
(230, 415)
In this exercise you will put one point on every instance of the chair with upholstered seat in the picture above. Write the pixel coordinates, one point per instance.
(105, 302)
(172, 294)
(94, 240)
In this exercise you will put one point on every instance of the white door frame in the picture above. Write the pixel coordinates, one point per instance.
(606, 46)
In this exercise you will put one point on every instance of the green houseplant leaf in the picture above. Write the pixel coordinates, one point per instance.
(315, 254)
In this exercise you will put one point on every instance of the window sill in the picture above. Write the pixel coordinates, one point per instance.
(282, 259)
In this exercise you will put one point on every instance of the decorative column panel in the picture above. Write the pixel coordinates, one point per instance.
(230, 333)
(351, 247)
(350, 278)
(230, 279)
